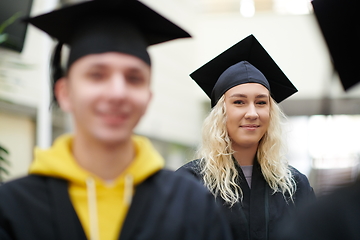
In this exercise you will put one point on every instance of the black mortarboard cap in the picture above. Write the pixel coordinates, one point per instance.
(98, 26)
(247, 61)
(340, 24)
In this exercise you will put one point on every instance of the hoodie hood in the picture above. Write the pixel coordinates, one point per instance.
(59, 162)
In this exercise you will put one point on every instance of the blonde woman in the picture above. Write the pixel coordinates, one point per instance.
(241, 158)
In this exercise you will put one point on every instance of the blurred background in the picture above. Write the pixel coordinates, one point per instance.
(323, 125)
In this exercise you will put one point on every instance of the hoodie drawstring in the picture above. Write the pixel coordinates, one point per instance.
(91, 195)
(128, 191)
(92, 202)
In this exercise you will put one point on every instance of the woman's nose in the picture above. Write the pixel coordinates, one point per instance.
(251, 112)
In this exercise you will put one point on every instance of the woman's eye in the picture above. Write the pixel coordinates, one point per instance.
(238, 102)
(262, 102)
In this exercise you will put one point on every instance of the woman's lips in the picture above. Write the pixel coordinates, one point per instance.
(250, 126)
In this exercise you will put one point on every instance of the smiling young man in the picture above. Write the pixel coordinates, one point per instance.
(103, 182)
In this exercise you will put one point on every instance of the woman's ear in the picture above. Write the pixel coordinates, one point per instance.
(61, 92)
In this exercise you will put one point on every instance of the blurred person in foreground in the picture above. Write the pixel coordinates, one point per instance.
(335, 216)
(103, 182)
(241, 159)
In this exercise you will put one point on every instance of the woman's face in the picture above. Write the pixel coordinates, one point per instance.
(248, 114)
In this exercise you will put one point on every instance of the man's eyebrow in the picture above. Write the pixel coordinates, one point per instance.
(98, 65)
(134, 69)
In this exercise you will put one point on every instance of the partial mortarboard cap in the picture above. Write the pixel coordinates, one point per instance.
(340, 24)
(98, 26)
(247, 61)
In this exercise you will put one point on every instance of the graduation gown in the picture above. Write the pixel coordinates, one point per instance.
(261, 213)
(165, 206)
(333, 217)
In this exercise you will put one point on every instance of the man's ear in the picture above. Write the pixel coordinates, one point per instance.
(61, 92)
(148, 102)
(151, 96)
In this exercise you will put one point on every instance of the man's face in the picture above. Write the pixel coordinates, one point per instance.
(107, 94)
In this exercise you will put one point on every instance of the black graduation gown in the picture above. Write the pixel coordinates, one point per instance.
(165, 206)
(261, 213)
(333, 217)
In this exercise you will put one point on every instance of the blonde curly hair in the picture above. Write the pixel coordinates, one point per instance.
(218, 169)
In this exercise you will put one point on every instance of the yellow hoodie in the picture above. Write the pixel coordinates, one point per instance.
(101, 206)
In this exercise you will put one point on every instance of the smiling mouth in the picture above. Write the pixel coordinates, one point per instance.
(113, 118)
(250, 126)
